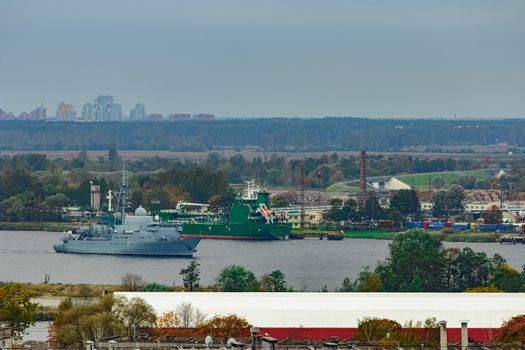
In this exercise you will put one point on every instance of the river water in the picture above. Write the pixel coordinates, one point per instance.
(309, 264)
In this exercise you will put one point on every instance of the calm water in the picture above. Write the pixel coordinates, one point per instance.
(308, 264)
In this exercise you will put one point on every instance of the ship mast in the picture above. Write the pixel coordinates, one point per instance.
(123, 193)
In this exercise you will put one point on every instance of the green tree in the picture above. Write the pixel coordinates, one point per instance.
(414, 256)
(16, 308)
(156, 287)
(508, 279)
(406, 201)
(447, 202)
(273, 282)
(191, 276)
(371, 209)
(347, 285)
(236, 278)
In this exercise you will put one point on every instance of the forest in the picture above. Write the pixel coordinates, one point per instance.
(271, 134)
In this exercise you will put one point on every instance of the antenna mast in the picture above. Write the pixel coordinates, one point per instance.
(123, 193)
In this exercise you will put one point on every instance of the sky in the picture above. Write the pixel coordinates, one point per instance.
(268, 58)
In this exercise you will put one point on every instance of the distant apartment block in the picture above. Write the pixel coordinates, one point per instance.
(204, 116)
(178, 117)
(138, 113)
(156, 117)
(88, 112)
(62, 110)
(38, 113)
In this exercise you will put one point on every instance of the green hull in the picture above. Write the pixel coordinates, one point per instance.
(241, 231)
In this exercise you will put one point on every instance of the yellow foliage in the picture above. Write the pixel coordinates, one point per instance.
(484, 289)
(224, 326)
(168, 319)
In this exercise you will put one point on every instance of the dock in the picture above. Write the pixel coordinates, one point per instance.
(512, 239)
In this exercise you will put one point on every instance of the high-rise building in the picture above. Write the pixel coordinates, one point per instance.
(62, 109)
(106, 110)
(138, 113)
(114, 112)
(88, 112)
(104, 100)
(38, 114)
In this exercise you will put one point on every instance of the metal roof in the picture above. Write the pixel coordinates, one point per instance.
(484, 310)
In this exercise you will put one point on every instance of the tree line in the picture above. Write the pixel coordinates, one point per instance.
(272, 134)
(35, 188)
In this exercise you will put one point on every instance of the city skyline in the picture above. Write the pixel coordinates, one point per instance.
(104, 108)
(240, 59)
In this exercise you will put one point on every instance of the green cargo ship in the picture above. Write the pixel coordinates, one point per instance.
(249, 219)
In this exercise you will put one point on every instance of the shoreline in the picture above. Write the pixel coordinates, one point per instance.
(475, 237)
(49, 226)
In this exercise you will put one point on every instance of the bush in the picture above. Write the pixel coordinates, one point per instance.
(372, 328)
(156, 287)
(513, 330)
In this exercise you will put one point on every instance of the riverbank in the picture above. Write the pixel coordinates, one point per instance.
(474, 237)
(40, 226)
(478, 237)
(446, 236)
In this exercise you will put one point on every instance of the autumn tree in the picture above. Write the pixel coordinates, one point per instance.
(134, 313)
(168, 319)
(368, 281)
(75, 324)
(493, 215)
(16, 308)
(512, 330)
(374, 329)
(224, 326)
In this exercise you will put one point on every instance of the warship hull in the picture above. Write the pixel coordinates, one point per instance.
(176, 248)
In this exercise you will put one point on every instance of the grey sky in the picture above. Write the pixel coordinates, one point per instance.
(387, 58)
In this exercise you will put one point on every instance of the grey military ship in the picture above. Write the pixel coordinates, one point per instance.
(137, 234)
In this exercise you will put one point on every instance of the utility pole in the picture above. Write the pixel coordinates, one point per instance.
(302, 195)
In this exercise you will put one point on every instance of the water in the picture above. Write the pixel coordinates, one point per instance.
(310, 264)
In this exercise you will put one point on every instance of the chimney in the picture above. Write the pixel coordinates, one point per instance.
(362, 176)
(443, 335)
(464, 335)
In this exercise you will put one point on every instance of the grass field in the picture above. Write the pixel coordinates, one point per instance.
(339, 187)
(420, 181)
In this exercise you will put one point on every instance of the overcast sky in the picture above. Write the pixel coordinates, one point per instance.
(403, 58)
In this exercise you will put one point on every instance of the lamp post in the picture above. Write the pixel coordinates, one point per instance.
(253, 332)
